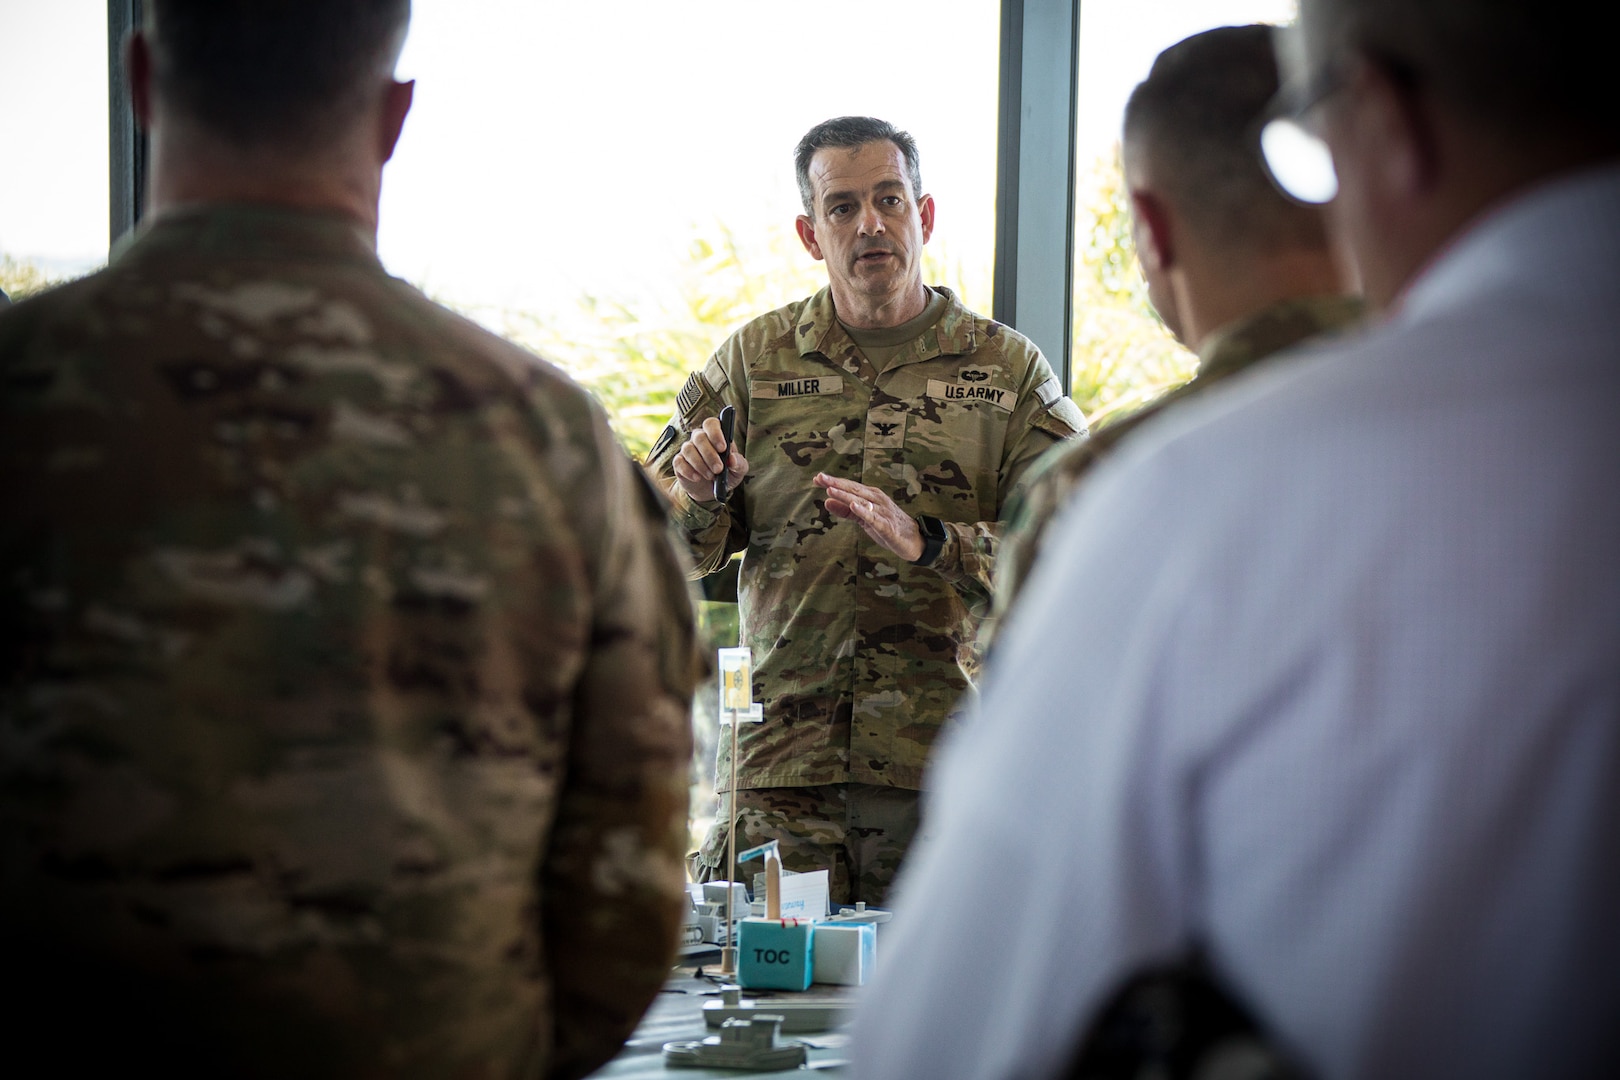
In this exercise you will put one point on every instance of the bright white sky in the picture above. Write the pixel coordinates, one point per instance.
(558, 147)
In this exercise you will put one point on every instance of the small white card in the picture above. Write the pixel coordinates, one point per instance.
(804, 896)
(754, 715)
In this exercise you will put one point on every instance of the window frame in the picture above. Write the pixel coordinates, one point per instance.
(1036, 174)
(127, 144)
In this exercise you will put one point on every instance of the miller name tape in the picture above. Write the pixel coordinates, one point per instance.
(813, 386)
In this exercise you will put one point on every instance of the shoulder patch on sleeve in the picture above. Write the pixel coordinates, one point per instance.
(1063, 419)
(1049, 391)
(665, 441)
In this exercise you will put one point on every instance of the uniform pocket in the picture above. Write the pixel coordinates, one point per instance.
(710, 857)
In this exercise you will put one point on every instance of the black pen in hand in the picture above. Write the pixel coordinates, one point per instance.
(728, 419)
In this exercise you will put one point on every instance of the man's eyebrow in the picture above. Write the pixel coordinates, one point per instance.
(830, 197)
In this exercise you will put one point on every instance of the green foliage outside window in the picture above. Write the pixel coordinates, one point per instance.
(20, 279)
(1123, 356)
(635, 354)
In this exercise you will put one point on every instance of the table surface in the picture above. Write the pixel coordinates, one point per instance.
(676, 1015)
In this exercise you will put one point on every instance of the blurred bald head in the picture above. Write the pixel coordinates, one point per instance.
(1527, 68)
(1437, 111)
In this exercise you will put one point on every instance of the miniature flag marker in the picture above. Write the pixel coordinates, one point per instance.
(736, 696)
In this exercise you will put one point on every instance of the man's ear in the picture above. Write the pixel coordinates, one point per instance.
(925, 210)
(1406, 146)
(807, 236)
(397, 98)
(1155, 244)
(138, 73)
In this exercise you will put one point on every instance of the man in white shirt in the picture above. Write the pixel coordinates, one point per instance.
(1344, 715)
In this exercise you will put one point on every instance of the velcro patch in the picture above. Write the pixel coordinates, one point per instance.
(815, 385)
(714, 373)
(665, 441)
(964, 391)
(1049, 391)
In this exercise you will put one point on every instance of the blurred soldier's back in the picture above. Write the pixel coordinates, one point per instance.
(345, 661)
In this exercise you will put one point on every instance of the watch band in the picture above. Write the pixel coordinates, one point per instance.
(933, 537)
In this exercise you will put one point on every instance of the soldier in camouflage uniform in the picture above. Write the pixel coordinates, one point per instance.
(1235, 269)
(880, 428)
(347, 660)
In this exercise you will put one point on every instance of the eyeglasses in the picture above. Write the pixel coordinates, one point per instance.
(1298, 160)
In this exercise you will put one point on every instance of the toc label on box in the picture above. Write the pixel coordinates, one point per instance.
(775, 954)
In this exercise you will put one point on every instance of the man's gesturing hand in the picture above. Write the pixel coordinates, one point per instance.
(875, 512)
(698, 462)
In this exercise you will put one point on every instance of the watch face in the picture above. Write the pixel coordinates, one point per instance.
(933, 534)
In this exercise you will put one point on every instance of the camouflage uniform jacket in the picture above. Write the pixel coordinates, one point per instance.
(1226, 352)
(347, 667)
(859, 655)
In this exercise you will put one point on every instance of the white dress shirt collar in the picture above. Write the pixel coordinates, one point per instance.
(1558, 239)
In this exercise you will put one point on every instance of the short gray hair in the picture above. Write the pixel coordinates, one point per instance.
(849, 133)
(1527, 65)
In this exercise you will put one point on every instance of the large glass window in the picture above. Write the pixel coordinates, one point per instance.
(612, 183)
(53, 129)
(1123, 356)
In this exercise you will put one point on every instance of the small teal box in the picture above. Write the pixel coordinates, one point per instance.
(775, 954)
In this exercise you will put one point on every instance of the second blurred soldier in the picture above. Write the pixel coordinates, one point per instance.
(1236, 270)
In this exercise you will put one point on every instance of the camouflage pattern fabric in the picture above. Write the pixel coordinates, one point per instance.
(1226, 352)
(857, 832)
(859, 655)
(347, 667)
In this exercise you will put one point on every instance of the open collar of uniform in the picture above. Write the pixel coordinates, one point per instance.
(250, 231)
(818, 330)
(820, 333)
(821, 336)
(957, 333)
